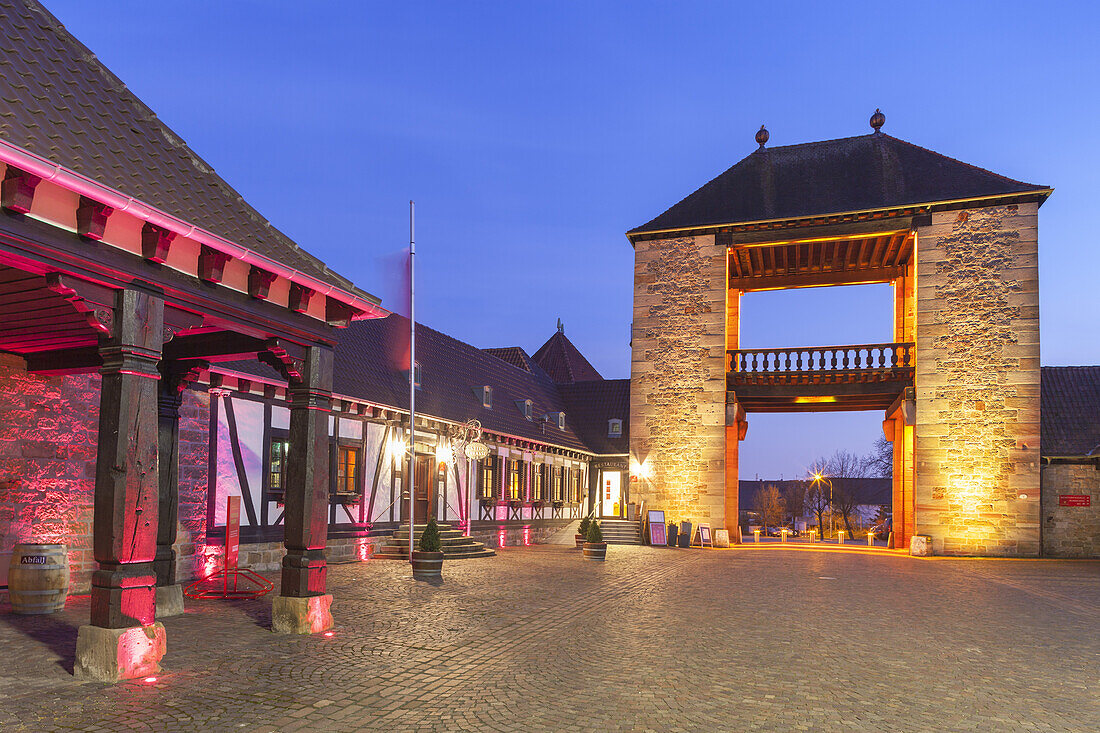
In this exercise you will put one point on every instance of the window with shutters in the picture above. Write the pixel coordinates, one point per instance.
(556, 484)
(537, 482)
(515, 480)
(487, 484)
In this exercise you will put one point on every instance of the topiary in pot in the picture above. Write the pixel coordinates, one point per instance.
(582, 532)
(427, 562)
(595, 548)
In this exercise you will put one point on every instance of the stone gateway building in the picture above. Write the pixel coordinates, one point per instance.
(958, 386)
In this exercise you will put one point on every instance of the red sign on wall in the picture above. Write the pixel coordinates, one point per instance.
(1074, 500)
(232, 530)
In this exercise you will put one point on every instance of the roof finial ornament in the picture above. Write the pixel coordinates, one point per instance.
(878, 120)
(762, 136)
(561, 327)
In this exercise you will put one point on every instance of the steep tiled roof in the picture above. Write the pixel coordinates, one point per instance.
(1070, 411)
(514, 355)
(590, 405)
(852, 174)
(450, 371)
(58, 101)
(559, 358)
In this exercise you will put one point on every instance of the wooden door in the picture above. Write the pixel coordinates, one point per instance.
(424, 497)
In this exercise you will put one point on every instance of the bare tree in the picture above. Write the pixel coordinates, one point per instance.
(880, 461)
(817, 499)
(794, 497)
(844, 464)
(769, 505)
(844, 502)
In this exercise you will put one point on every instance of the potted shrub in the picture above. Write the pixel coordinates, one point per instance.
(427, 562)
(595, 548)
(671, 537)
(582, 532)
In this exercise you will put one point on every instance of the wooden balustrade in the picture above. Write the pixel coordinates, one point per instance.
(885, 360)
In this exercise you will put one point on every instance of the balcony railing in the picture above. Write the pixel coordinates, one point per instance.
(821, 364)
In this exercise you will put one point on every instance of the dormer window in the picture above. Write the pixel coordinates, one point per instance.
(561, 420)
(615, 428)
(416, 373)
(527, 406)
(485, 396)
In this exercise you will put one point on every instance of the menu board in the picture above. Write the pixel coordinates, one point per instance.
(656, 519)
(704, 536)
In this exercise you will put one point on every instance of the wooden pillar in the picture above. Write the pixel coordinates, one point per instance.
(303, 605)
(174, 380)
(122, 640)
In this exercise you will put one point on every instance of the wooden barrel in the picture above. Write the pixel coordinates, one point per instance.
(38, 579)
(595, 550)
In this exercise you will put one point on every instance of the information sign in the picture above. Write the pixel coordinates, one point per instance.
(656, 519)
(704, 536)
(232, 530)
(1074, 500)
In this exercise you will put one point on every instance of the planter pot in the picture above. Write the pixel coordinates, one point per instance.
(38, 579)
(579, 538)
(672, 536)
(595, 550)
(427, 565)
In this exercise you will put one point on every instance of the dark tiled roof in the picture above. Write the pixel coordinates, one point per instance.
(365, 368)
(514, 355)
(590, 405)
(58, 101)
(559, 358)
(1070, 411)
(861, 173)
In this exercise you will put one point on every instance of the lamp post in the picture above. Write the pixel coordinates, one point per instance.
(832, 513)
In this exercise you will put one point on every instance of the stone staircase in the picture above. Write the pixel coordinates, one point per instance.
(455, 545)
(621, 531)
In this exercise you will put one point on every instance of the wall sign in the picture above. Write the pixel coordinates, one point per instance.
(1074, 500)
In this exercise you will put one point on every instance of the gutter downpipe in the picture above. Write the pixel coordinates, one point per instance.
(49, 171)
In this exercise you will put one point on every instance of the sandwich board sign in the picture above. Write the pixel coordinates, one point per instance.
(704, 536)
(657, 535)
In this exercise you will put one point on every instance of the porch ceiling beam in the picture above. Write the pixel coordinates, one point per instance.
(65, 361)
(39, 248)
(215, 347)
(817, 279)
(847, 230)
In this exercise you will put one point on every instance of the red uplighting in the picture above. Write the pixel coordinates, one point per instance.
(149, 680)
(330, 633)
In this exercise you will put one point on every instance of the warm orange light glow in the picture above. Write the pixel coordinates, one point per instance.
(813, 400)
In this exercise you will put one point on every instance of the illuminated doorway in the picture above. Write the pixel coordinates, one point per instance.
(611, 496)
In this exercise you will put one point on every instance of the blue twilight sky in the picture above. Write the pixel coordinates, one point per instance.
(533, 135)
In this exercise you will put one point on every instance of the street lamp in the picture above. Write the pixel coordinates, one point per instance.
(832, 510)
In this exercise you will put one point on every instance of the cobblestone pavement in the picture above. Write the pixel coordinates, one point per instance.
(652, 640)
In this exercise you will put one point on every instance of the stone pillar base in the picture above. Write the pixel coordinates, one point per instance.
(308, 615)
(920, 545)
(111, 655)
(169, 600)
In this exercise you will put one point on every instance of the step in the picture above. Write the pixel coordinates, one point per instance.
(404, 534)
(448, 542)
(463, 555)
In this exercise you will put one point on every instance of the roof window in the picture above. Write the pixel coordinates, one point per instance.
(615, 428)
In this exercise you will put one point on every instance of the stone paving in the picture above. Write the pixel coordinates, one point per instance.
(652, 640)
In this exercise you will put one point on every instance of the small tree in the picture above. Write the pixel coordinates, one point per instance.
(880, 461)
(583, 529)
(770, 506)
(429, 540)
(594, 533)
(794, 498)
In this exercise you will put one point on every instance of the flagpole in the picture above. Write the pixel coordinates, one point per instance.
(411, 482)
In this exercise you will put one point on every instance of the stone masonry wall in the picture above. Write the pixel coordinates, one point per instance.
(678, 377)
(1071, 531)
(48, 432)
(977, 382)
